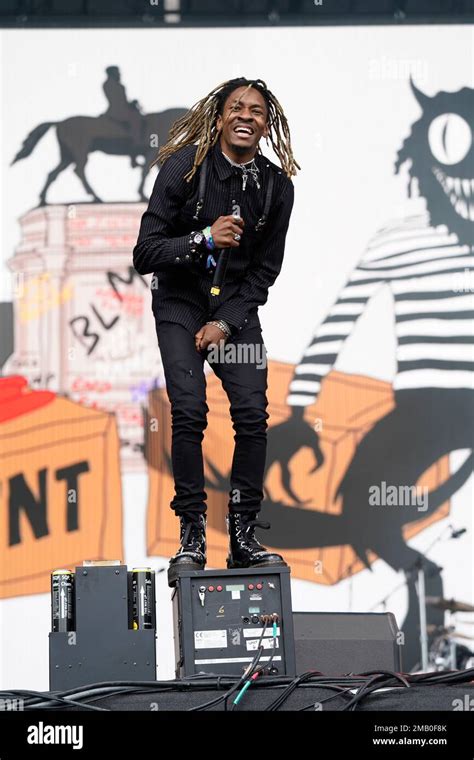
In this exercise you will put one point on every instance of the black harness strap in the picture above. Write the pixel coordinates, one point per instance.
(268, 199)
(202, 187)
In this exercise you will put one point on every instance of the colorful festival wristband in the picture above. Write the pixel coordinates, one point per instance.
(210, 245)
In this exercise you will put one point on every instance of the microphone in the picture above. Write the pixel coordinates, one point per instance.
(219, 274)
(223, 261)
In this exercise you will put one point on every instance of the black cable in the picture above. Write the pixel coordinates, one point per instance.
(341, 692)
(453, 676)
(60, 700)
(317, 681)
(273, 706)
(253, 667)
(48, 697)
(247, 674)
(267, 665)
(234, 687)
(372, 685)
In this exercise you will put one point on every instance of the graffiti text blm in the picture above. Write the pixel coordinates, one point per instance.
(88, 329)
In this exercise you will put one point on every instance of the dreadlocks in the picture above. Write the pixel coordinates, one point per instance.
(198, 125)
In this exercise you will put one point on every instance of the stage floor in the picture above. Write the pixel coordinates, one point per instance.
(416, 698)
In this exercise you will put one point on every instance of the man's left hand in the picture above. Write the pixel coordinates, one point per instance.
(208, 334)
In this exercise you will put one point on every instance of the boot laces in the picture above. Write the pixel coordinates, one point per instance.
(192, 520)
(248, 530)
(254, 523)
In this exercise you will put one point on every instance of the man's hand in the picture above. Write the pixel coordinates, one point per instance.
(208, 334)
(224, 229)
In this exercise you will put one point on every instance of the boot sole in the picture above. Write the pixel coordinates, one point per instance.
(231, 565)
(175, 571)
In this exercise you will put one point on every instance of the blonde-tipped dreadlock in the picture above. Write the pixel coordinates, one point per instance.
(198, 125)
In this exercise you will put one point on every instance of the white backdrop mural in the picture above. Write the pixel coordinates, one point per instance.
(369, 328)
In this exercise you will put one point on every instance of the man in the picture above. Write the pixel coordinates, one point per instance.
(212, 165)
(123, 111)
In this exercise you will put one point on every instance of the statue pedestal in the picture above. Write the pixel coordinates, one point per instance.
(83, 321)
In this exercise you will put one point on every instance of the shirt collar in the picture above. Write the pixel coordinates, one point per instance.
(223, 167)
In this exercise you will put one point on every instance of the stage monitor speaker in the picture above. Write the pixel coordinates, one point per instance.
(336, 643)
(219, 621)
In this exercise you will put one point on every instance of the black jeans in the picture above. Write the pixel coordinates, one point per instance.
(241, 367)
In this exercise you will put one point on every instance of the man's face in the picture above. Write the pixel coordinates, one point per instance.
(244, 120)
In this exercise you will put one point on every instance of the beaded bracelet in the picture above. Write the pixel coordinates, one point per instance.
(221, 325)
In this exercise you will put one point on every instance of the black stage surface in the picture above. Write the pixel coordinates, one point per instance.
(376, 713)
(450, 691)
(416, 698)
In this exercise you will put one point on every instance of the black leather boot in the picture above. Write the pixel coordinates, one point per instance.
(191, 555)
(244, 549)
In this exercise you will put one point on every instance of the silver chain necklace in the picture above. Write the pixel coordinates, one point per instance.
(249, 167)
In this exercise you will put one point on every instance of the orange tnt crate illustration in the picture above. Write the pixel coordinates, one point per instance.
(346, 409)
(60, 487)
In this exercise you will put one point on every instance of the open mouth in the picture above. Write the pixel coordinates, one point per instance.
(460, 193)
(243, 131)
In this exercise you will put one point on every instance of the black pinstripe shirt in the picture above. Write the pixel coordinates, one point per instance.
(181, 286)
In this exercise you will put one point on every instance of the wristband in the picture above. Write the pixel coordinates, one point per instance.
(208, 239)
